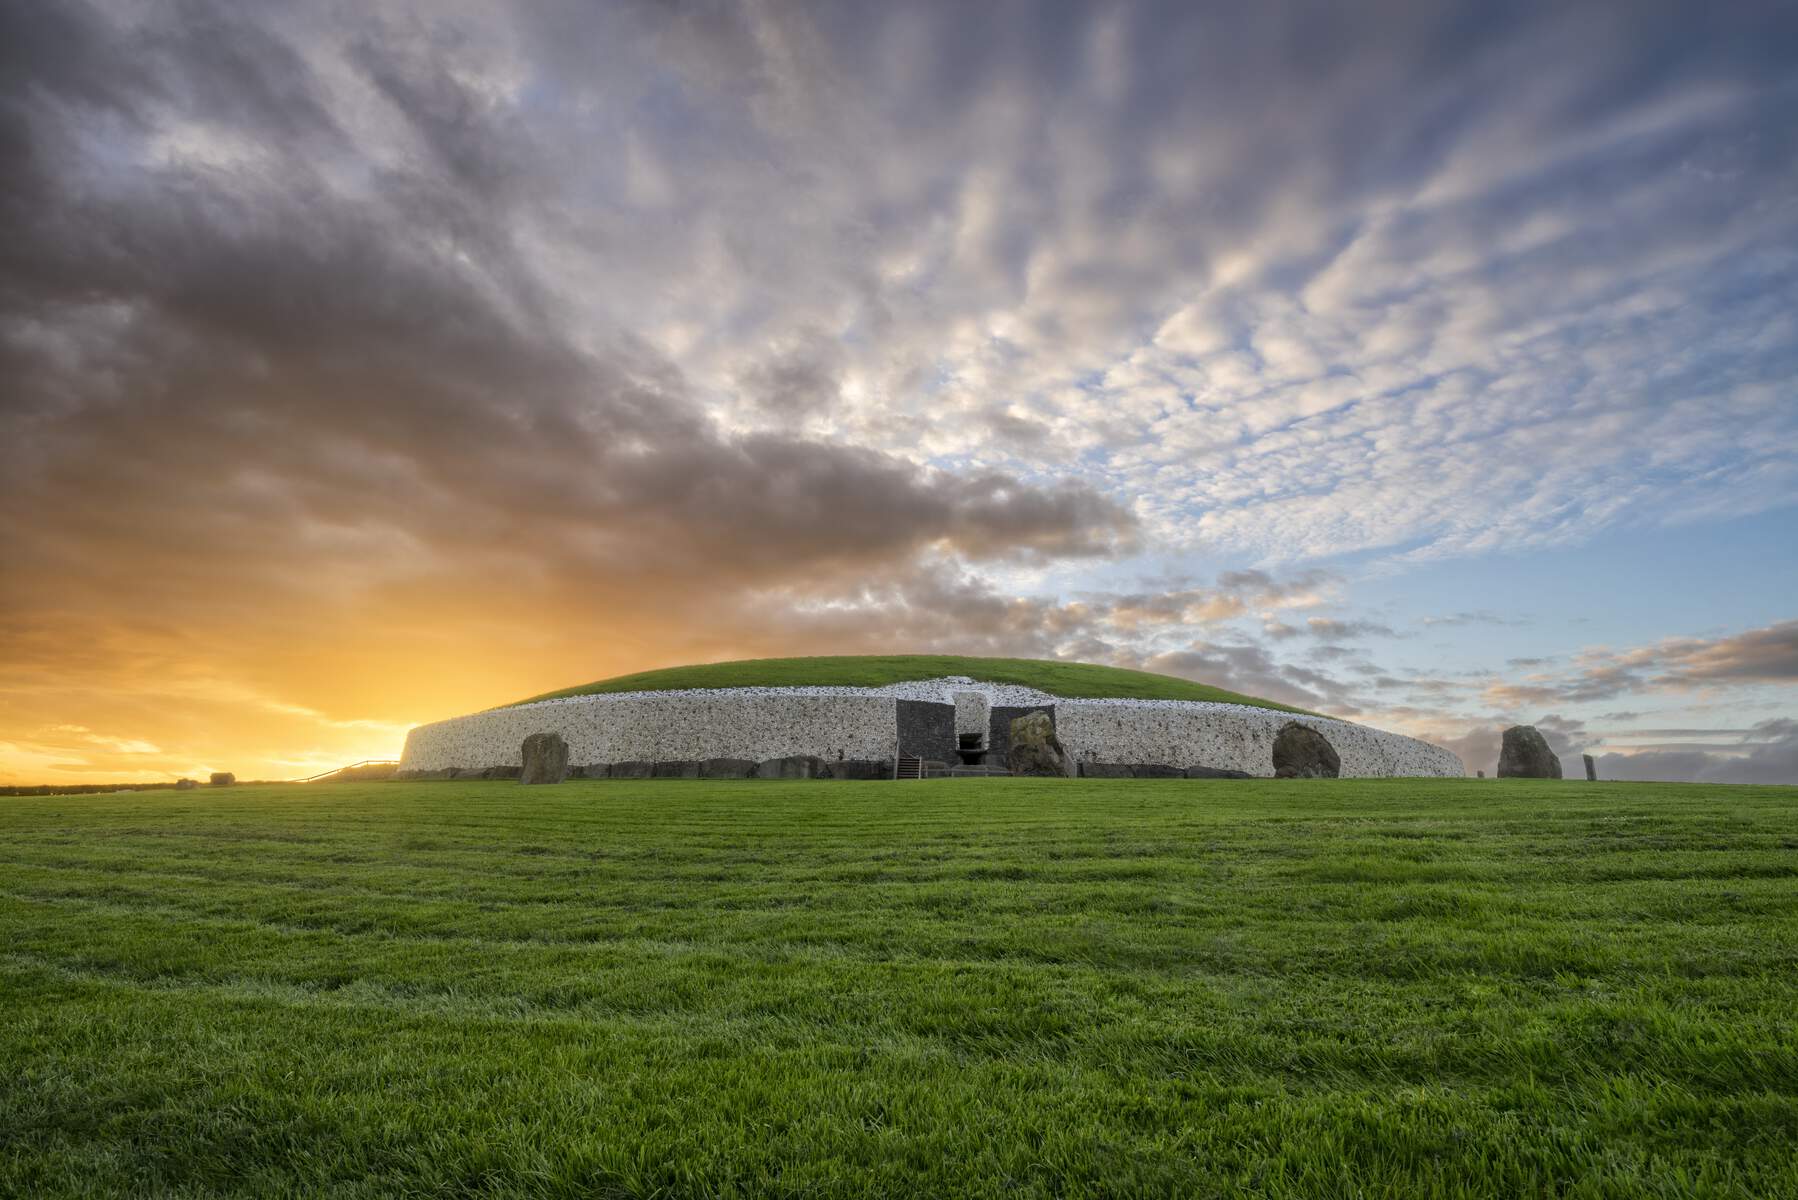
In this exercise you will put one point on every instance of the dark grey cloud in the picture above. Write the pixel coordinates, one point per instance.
(1771, 757)
(1764, 656)
(329, 329)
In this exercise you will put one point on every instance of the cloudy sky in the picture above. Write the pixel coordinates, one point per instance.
(1430, 365)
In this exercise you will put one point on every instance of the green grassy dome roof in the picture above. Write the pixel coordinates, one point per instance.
(1071, 679)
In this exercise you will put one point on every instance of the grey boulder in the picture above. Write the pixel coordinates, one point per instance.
(1525, 755)
(1215, 773)
(1300, 752)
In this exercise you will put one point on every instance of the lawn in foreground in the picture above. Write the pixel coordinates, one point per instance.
(992, 987)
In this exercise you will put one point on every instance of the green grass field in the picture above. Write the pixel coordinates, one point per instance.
(1071, 679)
(961, 988)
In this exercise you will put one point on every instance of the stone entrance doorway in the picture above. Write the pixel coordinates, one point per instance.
(973, 718)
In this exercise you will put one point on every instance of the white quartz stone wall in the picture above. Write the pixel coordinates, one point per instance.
(1231, 737)
(665, 727)
(973, 713)
(860, 723)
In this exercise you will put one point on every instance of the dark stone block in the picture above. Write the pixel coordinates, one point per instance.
(222, 779)
(793, 766)
(1301, 752)
(631, 770)
(1215, 773)
(1099, 770)
(1591, 769)
(727, 768)
(545, 758)
(504, 772)
(927, 730)
(677, 769)
(1157, 771)
(862, 768)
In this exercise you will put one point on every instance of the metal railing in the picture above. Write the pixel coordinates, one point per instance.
(367, 762)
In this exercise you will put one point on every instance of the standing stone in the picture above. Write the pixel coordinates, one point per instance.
(545, 759)
(1525, 755)
(1300, 752)
(1479, 774)
(1591, 769)
(1034, 748)
(222, 779)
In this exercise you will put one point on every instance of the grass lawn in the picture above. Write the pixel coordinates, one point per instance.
(1070, 679)
(1360, 988)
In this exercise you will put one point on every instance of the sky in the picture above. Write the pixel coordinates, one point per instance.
(1430, 365)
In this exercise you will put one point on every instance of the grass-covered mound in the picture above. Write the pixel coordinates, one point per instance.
(1077, 681)
(1281, 989)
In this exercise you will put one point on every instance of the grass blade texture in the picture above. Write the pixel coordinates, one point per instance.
(1357, 988)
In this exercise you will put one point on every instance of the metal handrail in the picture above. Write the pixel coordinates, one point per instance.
(367, 762)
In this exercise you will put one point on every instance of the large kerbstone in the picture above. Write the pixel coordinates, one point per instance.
(1525, 755)
(545, 759)
(1035, 750)
(1300, 752)
(1215, 773)
(862, 768)
(726, 768)
(1156, 771)
(800, 766)
(677, 768)
(1099, 770)
(635, 769)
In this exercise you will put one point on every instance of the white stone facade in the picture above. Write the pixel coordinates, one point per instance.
(1232, 737)
(861, 724)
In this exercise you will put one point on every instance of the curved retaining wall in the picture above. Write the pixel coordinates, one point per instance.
(1232, 737)
(863, 724)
